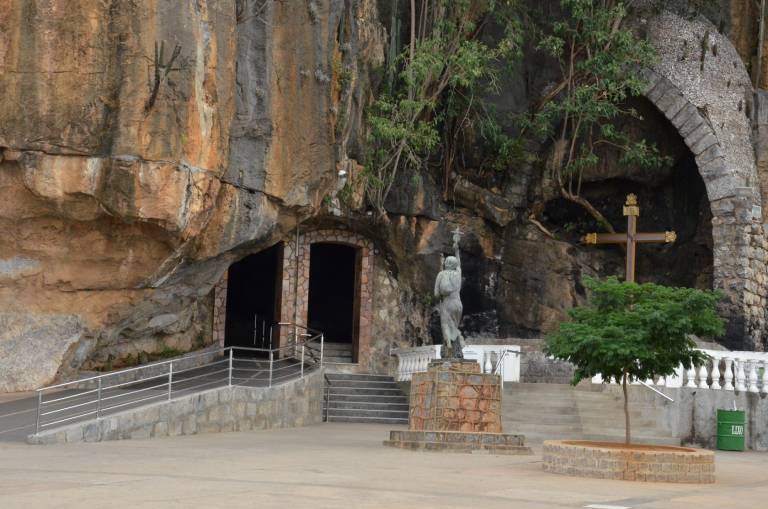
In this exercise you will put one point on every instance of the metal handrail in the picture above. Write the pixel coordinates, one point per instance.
(648, 386)
(273, 370)
(500, 360)
(327, 395)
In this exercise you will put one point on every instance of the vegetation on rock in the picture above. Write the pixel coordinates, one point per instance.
(630, 331)
(600, 60)
(442, 74)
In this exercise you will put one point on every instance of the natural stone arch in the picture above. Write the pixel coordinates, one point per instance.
(705, 99)
(295, 291)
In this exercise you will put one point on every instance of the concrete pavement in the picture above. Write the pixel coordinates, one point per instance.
(331, 465)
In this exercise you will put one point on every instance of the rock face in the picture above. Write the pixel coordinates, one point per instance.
(146, 146)
(145, 143)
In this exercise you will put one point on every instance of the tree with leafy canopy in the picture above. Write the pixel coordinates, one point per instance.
(600, 59)
(436, 94)
(630, 331)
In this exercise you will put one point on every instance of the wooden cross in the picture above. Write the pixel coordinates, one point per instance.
(632, 237)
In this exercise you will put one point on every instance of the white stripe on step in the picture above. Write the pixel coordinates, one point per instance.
(603, 506)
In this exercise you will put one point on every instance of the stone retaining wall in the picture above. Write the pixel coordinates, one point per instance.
(294, 403)
(663, 464)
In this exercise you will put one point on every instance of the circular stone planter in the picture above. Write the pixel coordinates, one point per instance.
(609, 460)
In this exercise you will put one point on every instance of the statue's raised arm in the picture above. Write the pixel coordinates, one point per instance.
(456, 237)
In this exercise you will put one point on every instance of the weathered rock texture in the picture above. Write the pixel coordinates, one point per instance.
(131, 178)
(148, 145)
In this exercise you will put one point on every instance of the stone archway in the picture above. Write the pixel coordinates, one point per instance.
(705, 97)
(296, 283)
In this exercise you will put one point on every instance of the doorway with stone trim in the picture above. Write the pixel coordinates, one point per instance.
(327, 285)
(333, 305)
(253, 299)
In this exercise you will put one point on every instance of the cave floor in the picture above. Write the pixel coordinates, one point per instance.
(332, 465)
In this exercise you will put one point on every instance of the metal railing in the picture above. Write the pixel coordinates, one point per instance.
(98, 396)
(497, 369)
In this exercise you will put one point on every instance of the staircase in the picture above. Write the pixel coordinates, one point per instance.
(542, 411)
(364, 398)
(335, 353)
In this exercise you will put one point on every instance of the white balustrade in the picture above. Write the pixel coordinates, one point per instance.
(416, 359)
(753, 377)
(728, 376)
(740, 376)
(742, 372)
(703, 374)
(715, 375)
(690, 374)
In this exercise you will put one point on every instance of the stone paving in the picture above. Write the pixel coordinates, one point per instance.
(332, 465)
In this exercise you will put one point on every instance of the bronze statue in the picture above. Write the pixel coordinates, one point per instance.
(447, 292)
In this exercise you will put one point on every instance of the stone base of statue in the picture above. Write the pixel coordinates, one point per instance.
(456, 408)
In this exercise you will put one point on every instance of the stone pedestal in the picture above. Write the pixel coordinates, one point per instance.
(454, 407)
(453, 395)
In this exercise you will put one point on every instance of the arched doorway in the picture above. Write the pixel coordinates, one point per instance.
(333, 305)
(253, 299)
(328, 285)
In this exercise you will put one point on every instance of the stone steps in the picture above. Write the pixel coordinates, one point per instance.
(365, 398)
(588, 412)
(334, 353)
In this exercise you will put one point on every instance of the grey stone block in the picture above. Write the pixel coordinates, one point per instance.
(672, 103)
(658, 91)
(713, 152)
(704, 143)
(694, 122)
(683, 116)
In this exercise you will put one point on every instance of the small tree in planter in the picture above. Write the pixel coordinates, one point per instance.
(634, 331)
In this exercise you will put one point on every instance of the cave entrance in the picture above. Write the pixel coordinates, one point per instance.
(334, 295)
(253, 300)
(672, 197)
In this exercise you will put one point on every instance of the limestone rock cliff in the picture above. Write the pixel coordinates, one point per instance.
(143, 143)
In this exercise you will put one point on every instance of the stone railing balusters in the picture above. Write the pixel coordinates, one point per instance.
(728, 376)
(417, 359)
(690, 374)
(715, 374)
(753, 377)
(703, 375)
(740, 376)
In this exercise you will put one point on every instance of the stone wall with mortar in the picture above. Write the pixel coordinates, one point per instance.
(295, 292)
(455, 398)
(643, 464)
(295, 403)
(702, 86)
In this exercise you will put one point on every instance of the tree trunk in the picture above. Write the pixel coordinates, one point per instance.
(626, 409)
(412, 49)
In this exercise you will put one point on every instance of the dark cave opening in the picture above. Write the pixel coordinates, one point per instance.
(677, 202)
(253, 299)
(332, 289)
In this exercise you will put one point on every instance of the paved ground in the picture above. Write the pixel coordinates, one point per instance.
(331, 465)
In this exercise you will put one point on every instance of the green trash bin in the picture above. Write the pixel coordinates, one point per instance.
(730, 430)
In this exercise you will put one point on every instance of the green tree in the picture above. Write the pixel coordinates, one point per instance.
(630, 331)
(437, 80)
(600, 59)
